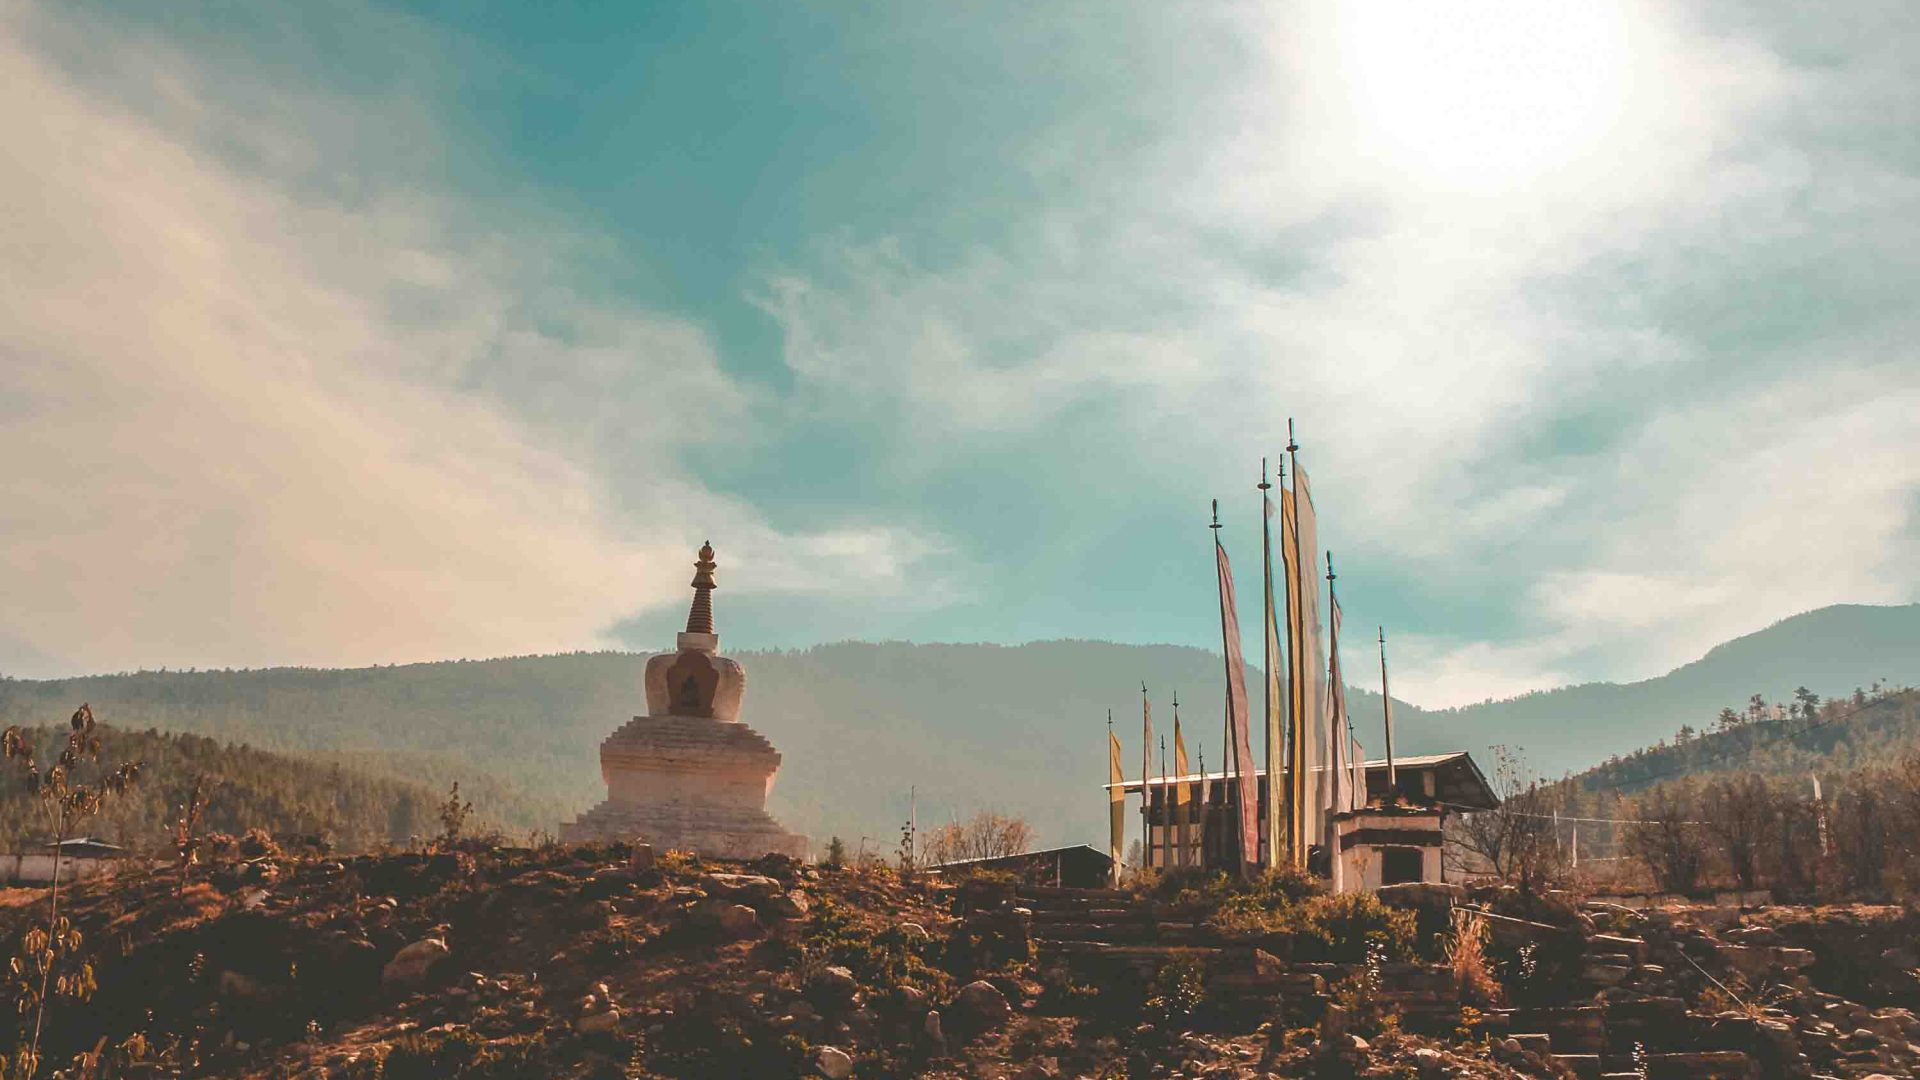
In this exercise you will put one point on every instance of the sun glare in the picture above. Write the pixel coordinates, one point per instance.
(1485, 94)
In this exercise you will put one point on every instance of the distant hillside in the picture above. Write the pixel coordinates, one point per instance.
(1833, 651)
(1020, 728)
(248, 788)
(1845, 738)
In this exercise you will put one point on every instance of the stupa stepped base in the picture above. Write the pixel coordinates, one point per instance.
(726, 832)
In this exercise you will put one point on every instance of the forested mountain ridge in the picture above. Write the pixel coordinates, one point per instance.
(1836, 737)
(1018, 728)
(245, 788)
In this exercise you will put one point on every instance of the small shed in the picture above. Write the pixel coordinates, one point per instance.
(1076, 866)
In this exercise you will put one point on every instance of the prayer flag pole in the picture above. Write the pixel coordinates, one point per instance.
(1166, 809)
(1278, 806)
(1386, 715)
(1146, 779)
(1116, 804)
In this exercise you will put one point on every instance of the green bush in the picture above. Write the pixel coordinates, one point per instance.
(1350, 927)
(883, 957)
(1179, 989)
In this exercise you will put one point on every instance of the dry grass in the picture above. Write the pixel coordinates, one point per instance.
(1467, 955)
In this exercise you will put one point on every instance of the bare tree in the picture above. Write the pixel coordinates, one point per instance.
(1862, 827)
(986, 835)
(1515, 839)
(1664, 838)
(1741, 814)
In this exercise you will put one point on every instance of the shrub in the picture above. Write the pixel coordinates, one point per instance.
(432, 1056)
(882, 957)
(258, 844)
(1368, 1011)
(1352, 927)
(1179, 989)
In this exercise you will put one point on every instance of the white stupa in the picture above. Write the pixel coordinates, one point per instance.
(689, 775)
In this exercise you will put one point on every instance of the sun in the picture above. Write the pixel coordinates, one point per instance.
(1484, 94)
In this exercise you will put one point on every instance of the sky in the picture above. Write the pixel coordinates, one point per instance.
(353, 333)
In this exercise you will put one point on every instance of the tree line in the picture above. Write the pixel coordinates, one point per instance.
(1815, 800)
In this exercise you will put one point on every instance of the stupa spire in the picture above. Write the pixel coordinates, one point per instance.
(700, 616)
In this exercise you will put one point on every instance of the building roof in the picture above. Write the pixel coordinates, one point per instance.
(1067, 849)
(85, 846)
(1459, 781)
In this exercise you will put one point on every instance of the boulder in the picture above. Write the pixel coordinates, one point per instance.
(410, 966)
(792, 905)
(1752, 962)
(982, 1006)
(936, 1035)
(641, 859)
(1794, 959)
(833, 988)
(746, 888)
(600, 1023)
(833, 1063)
(728, 919)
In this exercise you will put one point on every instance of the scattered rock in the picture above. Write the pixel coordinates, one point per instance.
(747, 888)
(832, 989)
(833, 1063)
(982, 1005)
(936, 1036)
(732, 921)
(599, 1023)
(410, 966)
(642, 858)
(791, 905)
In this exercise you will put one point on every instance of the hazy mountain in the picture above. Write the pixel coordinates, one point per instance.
(1020, 728)
(1832, 651)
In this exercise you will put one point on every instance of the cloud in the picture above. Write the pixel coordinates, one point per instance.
(263, 408)
(1506, 266)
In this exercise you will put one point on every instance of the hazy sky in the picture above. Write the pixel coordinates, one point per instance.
(339, 335)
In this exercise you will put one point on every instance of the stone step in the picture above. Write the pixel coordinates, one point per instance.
(1686, 1065)
(1102, 909)
(1618, 945)
(1584, 1066)
(1579, 1029)
(1064, 892)
(1143, 958)
(1148, 933)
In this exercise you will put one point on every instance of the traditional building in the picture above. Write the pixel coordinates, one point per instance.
(1394, 838)
(689, 775)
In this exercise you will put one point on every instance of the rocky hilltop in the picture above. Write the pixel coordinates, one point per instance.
(605, 961)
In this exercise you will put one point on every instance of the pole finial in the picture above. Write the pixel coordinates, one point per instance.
(1263, 485)
(700, 615)
(1291, 445)
(1216, 515)
(1330, 573)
